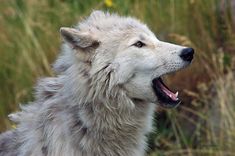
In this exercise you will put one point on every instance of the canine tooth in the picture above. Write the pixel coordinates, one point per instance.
(177, 93)
(170, 95)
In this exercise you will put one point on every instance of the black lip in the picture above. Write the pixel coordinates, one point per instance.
(164, 100)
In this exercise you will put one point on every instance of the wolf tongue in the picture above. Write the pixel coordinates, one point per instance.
(168, 92)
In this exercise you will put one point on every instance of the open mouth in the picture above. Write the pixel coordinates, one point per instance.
(165, 96)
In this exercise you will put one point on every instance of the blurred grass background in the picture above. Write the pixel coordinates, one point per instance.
(204, 124)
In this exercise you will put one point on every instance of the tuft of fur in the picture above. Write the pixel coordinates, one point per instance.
(83, 111)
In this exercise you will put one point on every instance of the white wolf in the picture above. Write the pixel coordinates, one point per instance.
(102, 100)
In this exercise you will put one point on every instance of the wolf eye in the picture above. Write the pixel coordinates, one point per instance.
(139, 44)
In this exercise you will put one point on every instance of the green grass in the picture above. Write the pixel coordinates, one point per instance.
(205, 122)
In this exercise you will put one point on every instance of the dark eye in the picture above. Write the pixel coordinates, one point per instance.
(139, 44)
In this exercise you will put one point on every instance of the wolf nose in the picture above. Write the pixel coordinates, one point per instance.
(187, 54)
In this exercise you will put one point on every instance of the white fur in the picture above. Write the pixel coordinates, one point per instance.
(101, 103)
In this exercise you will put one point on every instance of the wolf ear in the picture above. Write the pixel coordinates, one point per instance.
(77, 39)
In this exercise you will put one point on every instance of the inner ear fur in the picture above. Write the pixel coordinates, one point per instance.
(77, 39)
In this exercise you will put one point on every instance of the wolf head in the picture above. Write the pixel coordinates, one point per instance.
(128, 54)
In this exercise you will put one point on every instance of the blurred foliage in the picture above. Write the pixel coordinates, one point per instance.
(204, 124)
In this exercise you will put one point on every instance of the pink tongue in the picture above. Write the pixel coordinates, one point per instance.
(169, 93)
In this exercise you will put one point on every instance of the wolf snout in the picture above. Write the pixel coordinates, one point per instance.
(187, 54)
